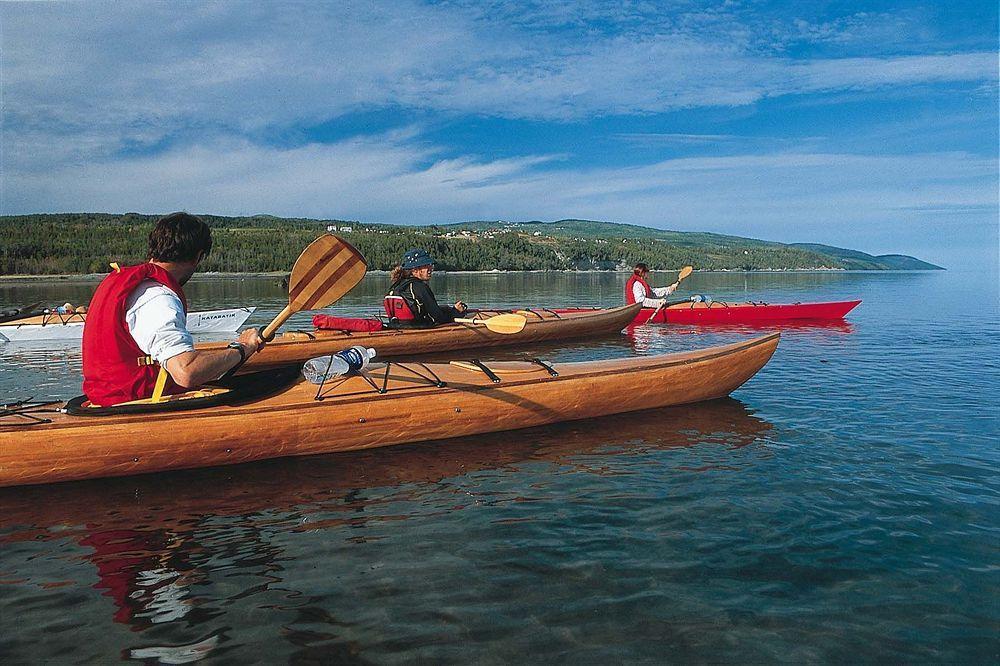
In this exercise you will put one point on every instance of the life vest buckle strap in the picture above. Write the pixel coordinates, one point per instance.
(161, 385)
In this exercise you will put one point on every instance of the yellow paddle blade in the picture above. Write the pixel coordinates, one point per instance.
(687, 270)
(505, 324)
(327, 269)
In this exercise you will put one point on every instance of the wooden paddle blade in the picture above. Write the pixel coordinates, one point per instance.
(506, 324)
(687, 270)
(327, 269)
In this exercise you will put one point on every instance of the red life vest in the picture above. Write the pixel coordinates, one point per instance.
(629, 296)
(115, 369)
(397, 306)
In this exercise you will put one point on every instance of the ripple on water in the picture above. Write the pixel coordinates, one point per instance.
(843, 509)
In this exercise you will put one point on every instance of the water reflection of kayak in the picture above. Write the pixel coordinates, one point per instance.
(322, 481)
(146, 537)
(256, 417)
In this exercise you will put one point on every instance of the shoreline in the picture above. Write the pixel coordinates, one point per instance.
(201, 277)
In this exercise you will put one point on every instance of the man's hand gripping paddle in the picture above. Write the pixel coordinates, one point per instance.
(687, 270)
(327, 269)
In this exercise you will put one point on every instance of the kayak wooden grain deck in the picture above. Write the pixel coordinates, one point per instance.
(351, 414)
(541, 326)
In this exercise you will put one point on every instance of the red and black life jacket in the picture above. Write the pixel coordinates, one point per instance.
(629, 296)
(398, 307)
(115, 369)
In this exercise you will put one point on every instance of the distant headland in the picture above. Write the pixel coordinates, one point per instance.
(80, 243)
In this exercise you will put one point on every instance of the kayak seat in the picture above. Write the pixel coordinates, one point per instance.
(231, 391)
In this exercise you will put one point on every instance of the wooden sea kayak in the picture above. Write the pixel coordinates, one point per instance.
(720, 312)
(56, 326)
(394, 404)
(540, 326)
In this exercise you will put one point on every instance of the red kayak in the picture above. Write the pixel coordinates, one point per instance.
(720, 312)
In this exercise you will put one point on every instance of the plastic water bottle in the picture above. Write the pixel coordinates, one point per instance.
(325, 368)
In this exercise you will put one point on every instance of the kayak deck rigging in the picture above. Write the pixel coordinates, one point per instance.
(26, 412)
(428, 375)
(422, 371)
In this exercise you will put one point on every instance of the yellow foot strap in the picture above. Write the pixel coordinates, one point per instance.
(161, 383)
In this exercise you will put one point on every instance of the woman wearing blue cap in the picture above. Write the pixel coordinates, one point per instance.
(410, 300)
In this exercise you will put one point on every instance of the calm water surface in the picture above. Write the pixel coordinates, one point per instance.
(842, 506)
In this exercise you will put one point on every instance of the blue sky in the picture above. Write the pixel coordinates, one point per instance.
(865, 125)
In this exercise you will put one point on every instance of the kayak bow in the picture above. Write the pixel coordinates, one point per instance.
(56, 326)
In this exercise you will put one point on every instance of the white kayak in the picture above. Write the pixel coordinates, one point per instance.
(56, 326)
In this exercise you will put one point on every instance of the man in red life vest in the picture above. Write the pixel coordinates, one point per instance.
(137, 320)
(638, 290)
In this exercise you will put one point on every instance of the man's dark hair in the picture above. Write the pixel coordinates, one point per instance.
(179, 237)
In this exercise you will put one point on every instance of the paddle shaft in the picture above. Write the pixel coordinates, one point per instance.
(267, 333)
(328, 268)
(687, 270)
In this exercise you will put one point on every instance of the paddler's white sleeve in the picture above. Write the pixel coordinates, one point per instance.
(639, 294)
(155, 318)
(663, 292)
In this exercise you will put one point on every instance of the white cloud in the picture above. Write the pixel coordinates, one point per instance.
(394, 178)
(164, 68)
(160, 106)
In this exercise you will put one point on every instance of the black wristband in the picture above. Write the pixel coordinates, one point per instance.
(238, 346)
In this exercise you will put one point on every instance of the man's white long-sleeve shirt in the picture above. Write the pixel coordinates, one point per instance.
(155, 318)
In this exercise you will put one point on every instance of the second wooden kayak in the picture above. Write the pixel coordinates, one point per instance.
(541, 326)
(395, 404)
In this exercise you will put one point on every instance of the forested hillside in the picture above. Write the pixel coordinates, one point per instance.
(85, 243)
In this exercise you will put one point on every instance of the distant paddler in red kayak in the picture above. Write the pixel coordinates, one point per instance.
(137, 324)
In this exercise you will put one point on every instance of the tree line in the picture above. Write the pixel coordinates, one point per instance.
(76, 243)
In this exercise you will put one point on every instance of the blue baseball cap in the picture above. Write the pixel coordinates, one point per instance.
(416, 258)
